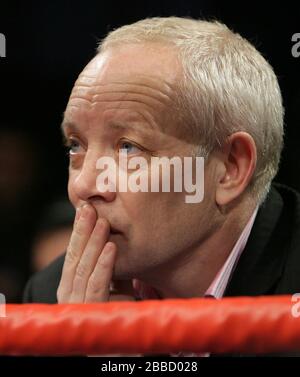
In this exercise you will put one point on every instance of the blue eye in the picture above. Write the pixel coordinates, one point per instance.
(127, 147)
(73, 146)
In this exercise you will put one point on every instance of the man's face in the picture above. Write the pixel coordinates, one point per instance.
(124, 98)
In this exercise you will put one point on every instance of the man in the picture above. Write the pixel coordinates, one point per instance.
(175, 87)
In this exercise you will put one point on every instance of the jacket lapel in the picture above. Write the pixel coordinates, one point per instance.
(262, 261)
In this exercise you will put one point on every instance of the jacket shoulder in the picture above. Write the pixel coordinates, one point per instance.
(290, 280)
(42, 287)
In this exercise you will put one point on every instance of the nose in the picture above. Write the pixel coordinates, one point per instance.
(83, 183)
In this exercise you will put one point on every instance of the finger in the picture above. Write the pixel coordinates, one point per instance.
(79, 238)
(89, 259)
(99, 281)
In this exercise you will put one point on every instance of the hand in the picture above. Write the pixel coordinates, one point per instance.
(89, 262)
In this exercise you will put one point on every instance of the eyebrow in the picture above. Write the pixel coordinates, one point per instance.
(113, 125)
(66, 124)
(125, 126)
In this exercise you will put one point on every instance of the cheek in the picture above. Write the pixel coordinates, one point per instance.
(151, 213)
(142, 211)
(135, 205)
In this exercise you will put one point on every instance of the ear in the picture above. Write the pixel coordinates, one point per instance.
(238, 159)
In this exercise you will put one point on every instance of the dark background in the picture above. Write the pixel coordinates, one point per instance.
(48, 44)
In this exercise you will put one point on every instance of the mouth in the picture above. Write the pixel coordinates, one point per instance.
(114, 231)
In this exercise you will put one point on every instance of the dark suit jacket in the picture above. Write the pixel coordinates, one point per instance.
(269, 264)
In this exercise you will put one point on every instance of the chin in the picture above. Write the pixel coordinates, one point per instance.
(123, 270)
(122, 275)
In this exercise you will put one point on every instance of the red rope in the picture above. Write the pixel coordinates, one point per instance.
(251, 325)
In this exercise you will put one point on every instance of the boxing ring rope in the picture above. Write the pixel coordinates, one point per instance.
(243, 324)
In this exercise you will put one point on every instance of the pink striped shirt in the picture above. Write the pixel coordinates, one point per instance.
(219, 284)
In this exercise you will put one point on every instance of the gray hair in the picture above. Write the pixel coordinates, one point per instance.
(227, 86)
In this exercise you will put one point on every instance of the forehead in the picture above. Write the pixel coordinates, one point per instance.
(132, 73)
(144, 61)
(136, 78)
